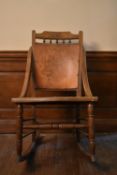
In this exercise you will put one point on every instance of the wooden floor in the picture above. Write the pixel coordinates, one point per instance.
(59, 155)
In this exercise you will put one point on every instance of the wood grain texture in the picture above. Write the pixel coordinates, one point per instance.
(59, 155)
(102, 70)
(56, 66)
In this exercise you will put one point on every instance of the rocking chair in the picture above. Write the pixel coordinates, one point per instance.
(56, 62)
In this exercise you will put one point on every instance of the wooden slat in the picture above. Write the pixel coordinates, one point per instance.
(56, 35)
(54, 126)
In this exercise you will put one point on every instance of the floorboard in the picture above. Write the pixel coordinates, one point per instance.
(59, 155)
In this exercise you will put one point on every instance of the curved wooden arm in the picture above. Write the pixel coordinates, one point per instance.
(27, 74)
(85, 81)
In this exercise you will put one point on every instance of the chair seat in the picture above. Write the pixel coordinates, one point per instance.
(71, 99)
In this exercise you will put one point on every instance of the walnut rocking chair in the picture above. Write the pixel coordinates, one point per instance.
(56, 61)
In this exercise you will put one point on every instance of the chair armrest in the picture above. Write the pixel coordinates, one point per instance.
(27, 74)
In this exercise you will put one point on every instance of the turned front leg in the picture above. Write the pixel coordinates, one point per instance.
(34, 121)
(19, 130)
(91, 133)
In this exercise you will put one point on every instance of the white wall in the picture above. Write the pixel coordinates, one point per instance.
(97, 18)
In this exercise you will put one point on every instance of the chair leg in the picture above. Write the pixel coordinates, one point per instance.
(77, 120)
(19, 131)
(34, 121)
(91, 134)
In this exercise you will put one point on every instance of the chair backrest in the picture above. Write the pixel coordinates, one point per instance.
(57, 60)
